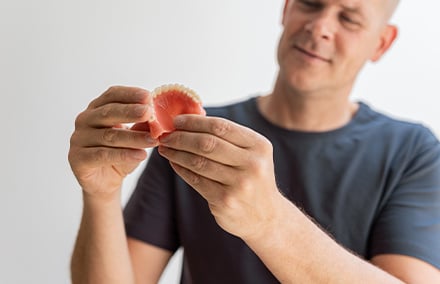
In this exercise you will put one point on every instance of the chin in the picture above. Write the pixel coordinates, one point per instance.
(300, 82)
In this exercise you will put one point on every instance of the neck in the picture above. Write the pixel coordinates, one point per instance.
(311, 112)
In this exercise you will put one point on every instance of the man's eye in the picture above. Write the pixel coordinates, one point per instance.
(310, 4)
(349, 20)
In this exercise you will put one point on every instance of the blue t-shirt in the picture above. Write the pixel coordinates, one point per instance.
(373, 185)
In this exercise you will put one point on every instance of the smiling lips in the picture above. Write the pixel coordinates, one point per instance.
(311, 54)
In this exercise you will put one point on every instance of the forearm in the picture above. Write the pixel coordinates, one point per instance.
(101, 253)
(298, 251)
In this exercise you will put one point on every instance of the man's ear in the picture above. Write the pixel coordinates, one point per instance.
(286, 3)
(389, 34)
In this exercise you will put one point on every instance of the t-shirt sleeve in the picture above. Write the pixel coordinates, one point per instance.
(409, 223)
(149, 214)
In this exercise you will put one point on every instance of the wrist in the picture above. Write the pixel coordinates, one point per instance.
(278, 217)
(102, 199)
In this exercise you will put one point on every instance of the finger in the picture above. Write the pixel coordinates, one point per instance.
(220, 127)
(200, 165)
(115, 114)
(206, 145)
(122, 94)
(114, 137)
(208, 189)
(105, 156)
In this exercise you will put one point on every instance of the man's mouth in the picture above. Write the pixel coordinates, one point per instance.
(310, 53)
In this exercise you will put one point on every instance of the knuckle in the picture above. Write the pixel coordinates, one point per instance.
(267, 146)
(80, 119)
(208, 144)
(76, 148)
(105, 111)
(253, 162)
(71, 156)
(199, 163)
(269, 151)
(220, 127)
(109, 135)
(107, 155)
(242, 183)
(262, 148)
(74, 139)
(258, 165)
(94, 102)
(194, 179)
(229, 201)
(111, 90)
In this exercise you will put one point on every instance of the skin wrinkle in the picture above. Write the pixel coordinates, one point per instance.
(109, 135)
(221, 128)
(208, 144)
(199, 163)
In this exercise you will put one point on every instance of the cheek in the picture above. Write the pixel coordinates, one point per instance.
(289, 35)
(351, 55)
(283, 48)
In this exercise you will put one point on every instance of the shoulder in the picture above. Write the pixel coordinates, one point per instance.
(387, 128)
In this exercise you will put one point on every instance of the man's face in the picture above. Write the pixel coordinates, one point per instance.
(325, 43)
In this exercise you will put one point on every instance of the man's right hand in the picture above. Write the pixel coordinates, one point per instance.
(103, 150)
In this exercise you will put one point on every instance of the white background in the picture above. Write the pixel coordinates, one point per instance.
(56, 55)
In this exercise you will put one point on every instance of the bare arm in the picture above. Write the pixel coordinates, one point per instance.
(301, 251)
(148, 261)
(232, 168)
(409, 269)
(102, 152)
(101, 253)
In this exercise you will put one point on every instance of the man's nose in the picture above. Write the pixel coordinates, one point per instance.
(321, 25)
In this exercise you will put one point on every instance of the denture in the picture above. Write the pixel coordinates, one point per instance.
(168, 102)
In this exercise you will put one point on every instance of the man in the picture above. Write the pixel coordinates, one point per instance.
(240, 196)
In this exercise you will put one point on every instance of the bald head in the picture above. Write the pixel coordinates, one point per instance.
(394, 4)
(390, 8)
